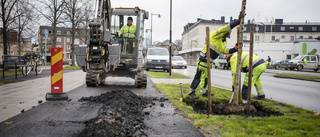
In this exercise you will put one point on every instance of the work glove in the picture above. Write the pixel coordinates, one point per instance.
(245, 69)
(241, 15)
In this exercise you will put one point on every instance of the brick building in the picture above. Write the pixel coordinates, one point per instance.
(63, 40)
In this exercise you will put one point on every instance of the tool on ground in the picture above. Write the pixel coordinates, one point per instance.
(231, 97)
(181, 96)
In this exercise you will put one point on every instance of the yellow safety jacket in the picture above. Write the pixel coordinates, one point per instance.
(129, 31)
(256, 60)
(218, 44)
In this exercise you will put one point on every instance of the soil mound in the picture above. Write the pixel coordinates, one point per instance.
(224, 108)
(121, 115)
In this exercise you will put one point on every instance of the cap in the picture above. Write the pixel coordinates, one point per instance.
(130, 18)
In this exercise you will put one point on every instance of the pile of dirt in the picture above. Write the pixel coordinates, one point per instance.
(224, 108)
(121, 115)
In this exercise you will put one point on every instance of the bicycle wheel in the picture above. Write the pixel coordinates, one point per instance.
(26, 69)
(39, 66)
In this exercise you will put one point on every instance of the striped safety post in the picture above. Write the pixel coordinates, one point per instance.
(56, 76)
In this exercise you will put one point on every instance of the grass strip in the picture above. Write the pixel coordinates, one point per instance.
(297, 76)
(165, 75)
(294, 123)
(71, 68)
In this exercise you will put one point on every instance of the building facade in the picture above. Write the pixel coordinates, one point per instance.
(193, 37)
(63, 40)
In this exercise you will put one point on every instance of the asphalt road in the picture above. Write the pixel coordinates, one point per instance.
(67, 118)
(300, 93)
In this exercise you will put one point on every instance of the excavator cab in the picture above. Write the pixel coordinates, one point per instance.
(110, 54)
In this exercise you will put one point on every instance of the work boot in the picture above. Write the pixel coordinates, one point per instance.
(205, 93)
(244, 94)
(260, 97)
(193, 95)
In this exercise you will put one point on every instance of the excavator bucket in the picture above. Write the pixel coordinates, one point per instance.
(81, 55)
(114, 55)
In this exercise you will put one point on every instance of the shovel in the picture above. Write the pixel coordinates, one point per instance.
(181, 96)
(231, 97)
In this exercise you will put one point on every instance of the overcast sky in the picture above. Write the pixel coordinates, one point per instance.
(187, 11)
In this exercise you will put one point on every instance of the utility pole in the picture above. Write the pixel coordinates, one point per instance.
(170, 38)
(240, 44)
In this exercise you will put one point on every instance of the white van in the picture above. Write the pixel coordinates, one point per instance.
(157, 58)
(305, 62)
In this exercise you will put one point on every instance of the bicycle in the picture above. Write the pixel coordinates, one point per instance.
(33, 62)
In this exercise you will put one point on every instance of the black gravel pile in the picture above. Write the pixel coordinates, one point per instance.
(121, 115)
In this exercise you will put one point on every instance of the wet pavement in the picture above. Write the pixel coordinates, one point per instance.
(69, 117)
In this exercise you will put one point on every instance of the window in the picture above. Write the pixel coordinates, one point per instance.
(273, 37)
(292, 38)
(257, 38)
(244, 37)
(66, 56)
(59, 46)
(244, 28)
(308, 58)
(291, 27)
(257, 28)
(313, 58)
(68, 32)
(283, 37)
(300, 28)
(68, 47)
(310, 37)
(76, 41)
(58, 39)
(68, 39)
(58, 32)
(301, 37)
(314, 28)
(283, 28)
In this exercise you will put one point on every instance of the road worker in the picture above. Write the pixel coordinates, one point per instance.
(258, 67)
(128, 31)
(218, 46)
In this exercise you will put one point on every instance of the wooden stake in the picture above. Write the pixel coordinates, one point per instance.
(208, 71)
(240, 43)
(250, 68)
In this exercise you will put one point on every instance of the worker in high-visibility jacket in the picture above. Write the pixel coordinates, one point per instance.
(258, 67)
(218, 46)
(128, 30)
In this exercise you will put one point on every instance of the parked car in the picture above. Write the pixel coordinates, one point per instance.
(157, 58)
(305, 62)
(178, 62)
(221, 62)
(280, 64)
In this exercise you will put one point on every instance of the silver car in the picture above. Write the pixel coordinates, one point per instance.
(178, 62)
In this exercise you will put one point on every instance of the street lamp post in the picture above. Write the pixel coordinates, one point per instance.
(159, 16)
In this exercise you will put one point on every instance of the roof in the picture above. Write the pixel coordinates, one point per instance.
(189, 26)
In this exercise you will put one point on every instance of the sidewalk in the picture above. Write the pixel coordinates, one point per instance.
(24, 95)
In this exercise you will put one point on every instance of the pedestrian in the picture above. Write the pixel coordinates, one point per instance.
(258, 67)
(269, 62)
(128, 31)
(218, 46)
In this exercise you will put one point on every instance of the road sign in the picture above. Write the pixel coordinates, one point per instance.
(46, 33)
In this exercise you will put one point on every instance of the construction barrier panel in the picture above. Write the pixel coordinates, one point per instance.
(56, 75)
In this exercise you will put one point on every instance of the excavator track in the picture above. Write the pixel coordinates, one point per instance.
(92, 80)
(141, 80)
